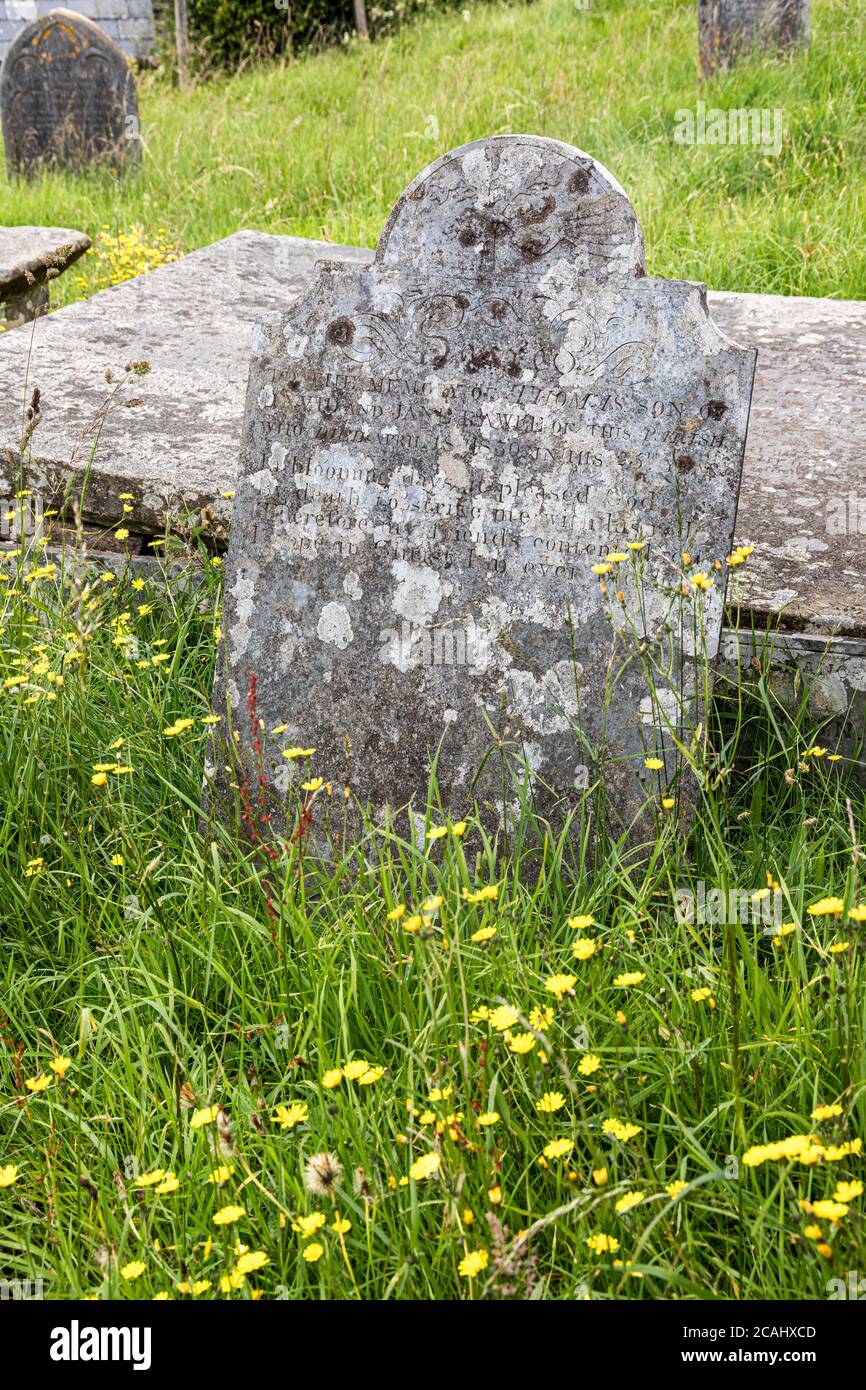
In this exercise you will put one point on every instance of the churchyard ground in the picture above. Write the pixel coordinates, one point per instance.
(459, 1063)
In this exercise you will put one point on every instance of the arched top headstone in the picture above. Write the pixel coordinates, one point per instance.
(67, 96)
(511, 206)
(441, 449)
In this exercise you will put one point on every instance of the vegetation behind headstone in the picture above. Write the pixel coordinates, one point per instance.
(229, 30)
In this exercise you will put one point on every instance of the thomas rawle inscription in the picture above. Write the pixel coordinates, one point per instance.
(438, 448)
(67, 97)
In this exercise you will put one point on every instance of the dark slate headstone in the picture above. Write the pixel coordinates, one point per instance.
(67, 97)
(727, 28)
(437, 450)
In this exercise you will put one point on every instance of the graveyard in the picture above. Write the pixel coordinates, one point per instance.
(433, 656)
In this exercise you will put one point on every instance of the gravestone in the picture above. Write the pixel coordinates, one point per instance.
(67, 97)
(436, 451)
(727, 28)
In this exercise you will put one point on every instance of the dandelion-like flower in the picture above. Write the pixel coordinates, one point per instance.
(425, 1166)
(550, 1102)
(472, 1264)
(322, 1174)
(602, 1244)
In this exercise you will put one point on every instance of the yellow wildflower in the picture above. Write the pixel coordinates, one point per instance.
(602, 1244)
(550, 1102)
(557, 1148)
(472, 1264)
(583, 948)
(289, 1116)
(307, 1226)
(227, 1216)
(627, 1201)
(826, 907)
(205, 1116)
(425, 1166)
(560, 984)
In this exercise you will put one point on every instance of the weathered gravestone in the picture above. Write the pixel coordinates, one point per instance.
(436, 451)
(727, 28)
(67, 97)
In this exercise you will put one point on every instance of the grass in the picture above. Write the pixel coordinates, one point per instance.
(321, 147)
(186, 987)
(178, 1006)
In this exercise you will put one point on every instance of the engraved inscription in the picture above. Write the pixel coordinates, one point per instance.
(438, 448)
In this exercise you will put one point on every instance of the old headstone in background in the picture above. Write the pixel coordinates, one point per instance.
(67, 97)
(129, 22)
(727, 28)
(437, 450)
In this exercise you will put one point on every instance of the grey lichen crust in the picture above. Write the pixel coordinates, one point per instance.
(438, 448)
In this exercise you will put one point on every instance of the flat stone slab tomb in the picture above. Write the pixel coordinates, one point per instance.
(27, 254)
(802, 501)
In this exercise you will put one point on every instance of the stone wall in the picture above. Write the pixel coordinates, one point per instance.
(128, 22)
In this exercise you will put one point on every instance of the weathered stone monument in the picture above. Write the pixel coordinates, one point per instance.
(437, 451)
(30, 258)
(727, 28)
(67, 97)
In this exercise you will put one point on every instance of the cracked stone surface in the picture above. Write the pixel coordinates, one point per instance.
(67, 97)
(436, 450)
(728, 28)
